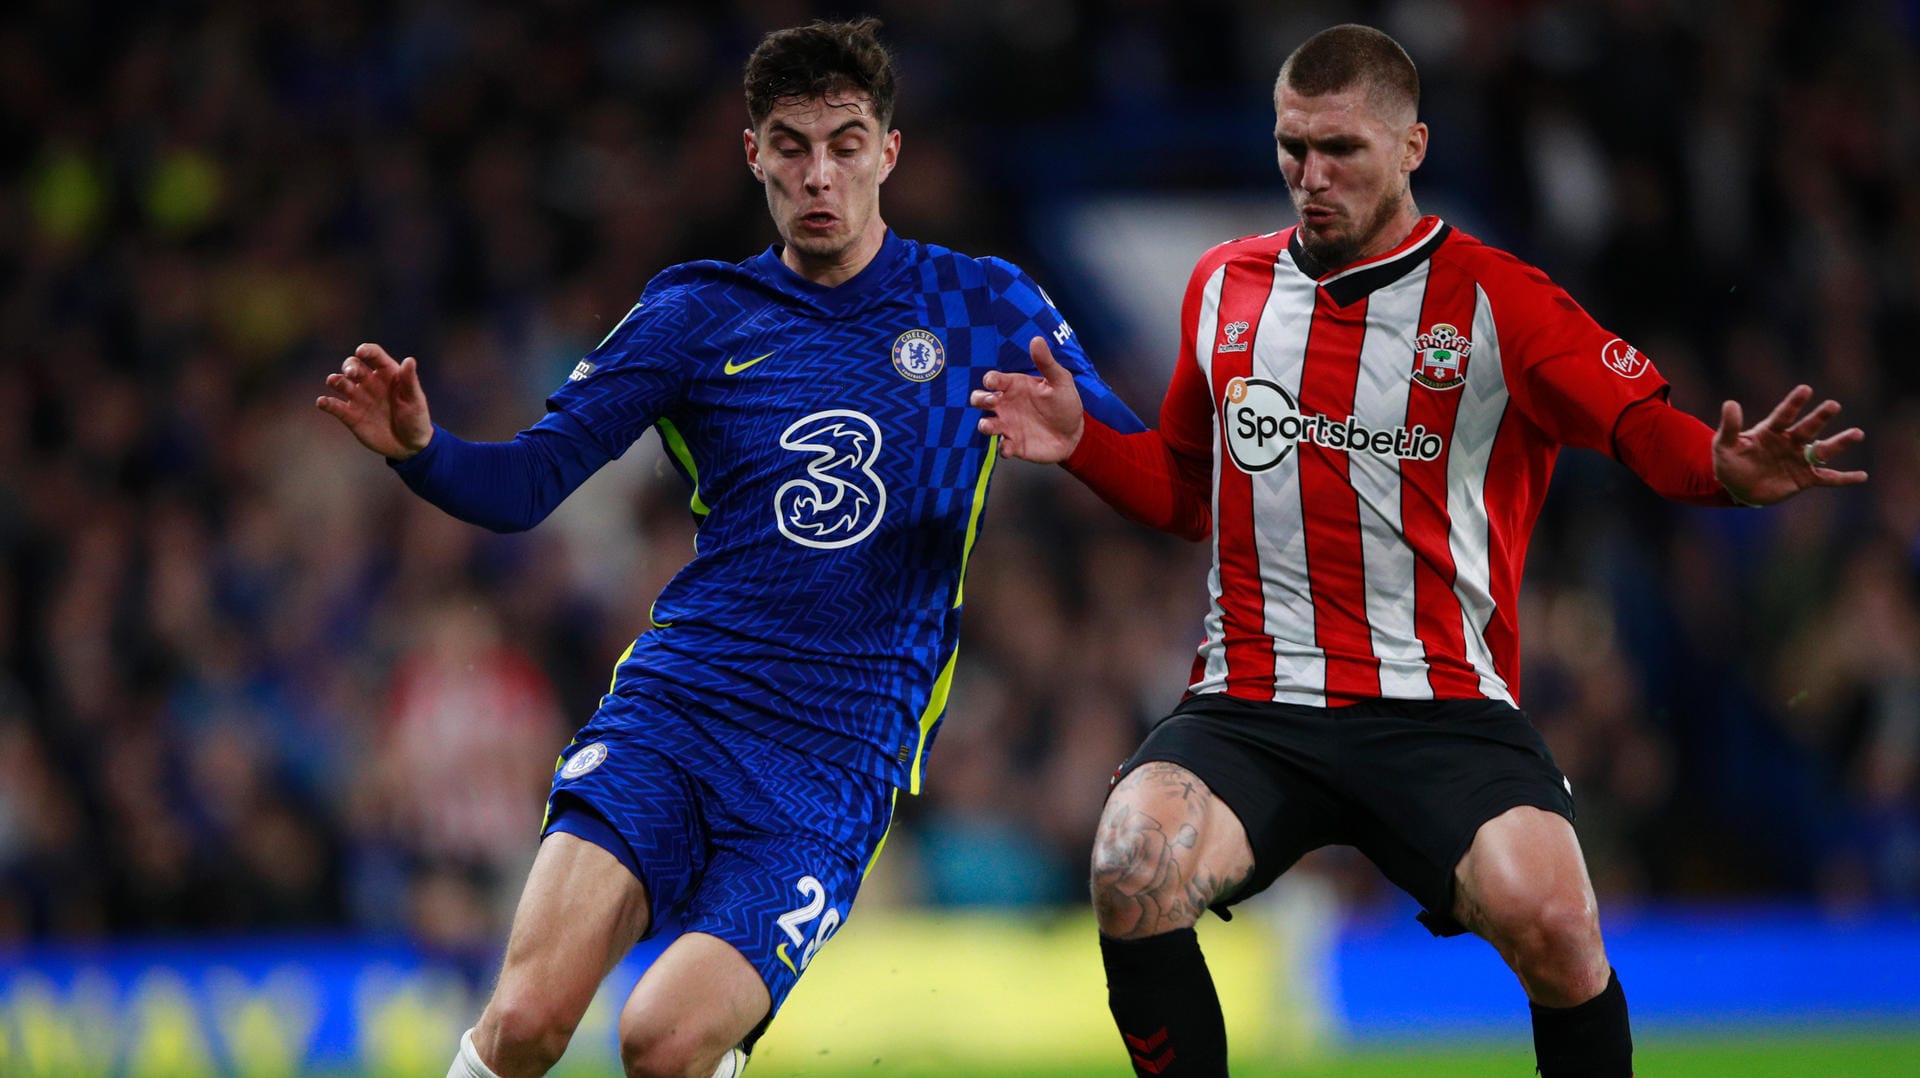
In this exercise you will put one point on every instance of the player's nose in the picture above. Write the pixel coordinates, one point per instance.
(1313, 171)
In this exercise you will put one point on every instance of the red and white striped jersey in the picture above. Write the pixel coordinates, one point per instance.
(1381, 439)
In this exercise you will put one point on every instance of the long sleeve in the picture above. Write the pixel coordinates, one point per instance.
(1670, 451)
(504, 486)
(1140, 475)
(1161, 478)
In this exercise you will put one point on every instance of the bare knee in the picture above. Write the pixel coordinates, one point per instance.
(1551, 939)
(1523, 886)
(648, 1053)
(1133, 895)
(523, 1033)
(1165, 850)
(1556, 924)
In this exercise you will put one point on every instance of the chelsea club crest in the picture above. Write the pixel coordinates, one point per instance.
(918, 355)
(585, 760)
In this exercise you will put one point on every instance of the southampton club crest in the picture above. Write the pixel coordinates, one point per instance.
(918, 355)
(1440, 361)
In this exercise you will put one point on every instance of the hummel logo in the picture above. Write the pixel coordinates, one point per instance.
(735, 368)
(1232, 331)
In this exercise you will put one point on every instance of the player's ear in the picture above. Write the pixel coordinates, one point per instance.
(753, 154)
(889, 153)
(1416, 147)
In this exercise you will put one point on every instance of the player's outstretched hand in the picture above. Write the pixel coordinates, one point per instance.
(1783, 454)
(381, 402)
(1038, 419)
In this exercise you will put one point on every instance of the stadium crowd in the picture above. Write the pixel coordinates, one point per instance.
(247, 681)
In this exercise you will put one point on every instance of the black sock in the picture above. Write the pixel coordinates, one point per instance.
(1163, 1000)
(1589, 1040)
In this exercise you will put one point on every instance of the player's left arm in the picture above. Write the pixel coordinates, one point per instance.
(1587, 387)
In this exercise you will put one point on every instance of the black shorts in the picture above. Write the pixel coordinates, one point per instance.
(1406, 782)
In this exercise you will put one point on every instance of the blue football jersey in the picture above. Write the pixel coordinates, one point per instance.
(839, 478)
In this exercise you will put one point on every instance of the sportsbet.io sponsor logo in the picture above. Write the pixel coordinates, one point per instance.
(1264, 423)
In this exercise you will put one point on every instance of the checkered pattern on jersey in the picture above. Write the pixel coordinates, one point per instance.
(734, 834)
(839, 472)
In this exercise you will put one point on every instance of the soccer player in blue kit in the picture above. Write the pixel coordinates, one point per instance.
(740, 773)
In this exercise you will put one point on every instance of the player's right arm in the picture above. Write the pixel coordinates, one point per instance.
(1160, 478)
(510, 486)
(380, 402)
(1141, 474)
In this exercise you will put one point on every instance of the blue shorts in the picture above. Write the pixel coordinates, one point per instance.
(732, 834)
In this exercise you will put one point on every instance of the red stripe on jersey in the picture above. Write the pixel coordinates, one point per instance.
(1250, 662)
(1336, 570)
(1423, 491)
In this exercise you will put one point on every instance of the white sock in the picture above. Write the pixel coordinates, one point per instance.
(468, 1063)
(732, 1064)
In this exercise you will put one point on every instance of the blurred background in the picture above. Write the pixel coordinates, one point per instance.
(250, 687)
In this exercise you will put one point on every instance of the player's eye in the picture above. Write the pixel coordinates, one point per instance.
(1293, 147)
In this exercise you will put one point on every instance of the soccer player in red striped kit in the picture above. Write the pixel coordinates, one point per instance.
(1364, 415)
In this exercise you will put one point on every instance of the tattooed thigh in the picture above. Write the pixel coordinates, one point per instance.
(1165, 850)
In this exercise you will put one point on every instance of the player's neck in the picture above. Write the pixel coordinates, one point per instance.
(842, 267)
(1393, 233)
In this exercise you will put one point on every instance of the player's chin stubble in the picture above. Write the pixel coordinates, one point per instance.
(1330, 252)
(1344, 248)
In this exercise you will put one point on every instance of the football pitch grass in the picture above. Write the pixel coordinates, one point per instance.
(1872, 1054)
(1028, 1001)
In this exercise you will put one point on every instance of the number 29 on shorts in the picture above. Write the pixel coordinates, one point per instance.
(793, 921)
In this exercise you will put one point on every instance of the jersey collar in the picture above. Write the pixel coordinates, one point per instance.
(842, 297)
(1363, 278)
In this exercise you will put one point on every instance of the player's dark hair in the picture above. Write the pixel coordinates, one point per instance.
(807, 62)
(1344, 56)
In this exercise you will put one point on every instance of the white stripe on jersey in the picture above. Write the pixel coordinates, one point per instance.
(1280, 534)
(1481, 412)
(1213, 645)
(1381, 399)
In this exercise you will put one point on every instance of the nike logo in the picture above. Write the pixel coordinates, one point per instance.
(780, 952)
(735, 368)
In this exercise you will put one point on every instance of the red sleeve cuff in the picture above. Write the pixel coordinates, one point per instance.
(1670, 451)
(1140, 475)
